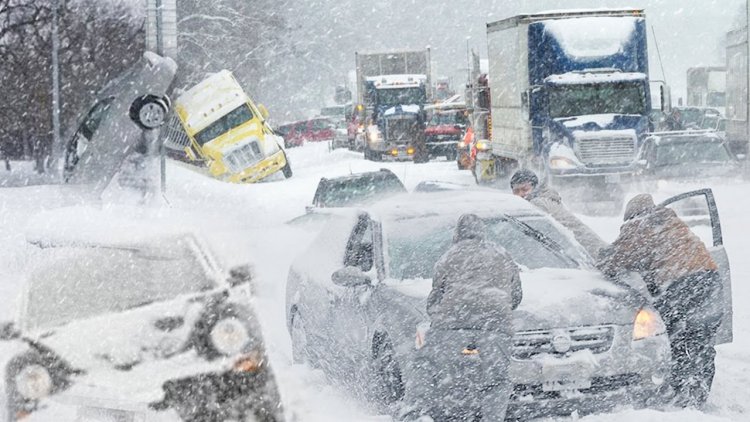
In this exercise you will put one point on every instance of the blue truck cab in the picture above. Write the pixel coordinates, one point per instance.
(570, 95)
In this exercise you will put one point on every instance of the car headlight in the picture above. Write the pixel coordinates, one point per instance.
(229, 336)
(561, 163)
(374, 133)
(483, 145)
(647, 323)
(34, 382)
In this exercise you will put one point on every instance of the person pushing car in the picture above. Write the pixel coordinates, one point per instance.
(462, 367)
(683, 279)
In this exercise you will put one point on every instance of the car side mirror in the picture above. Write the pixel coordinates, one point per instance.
(350, 277)
(741, 156)
(263, 111)
(240, 275)
(8, 331)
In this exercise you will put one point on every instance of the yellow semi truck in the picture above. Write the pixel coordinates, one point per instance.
(216, 124)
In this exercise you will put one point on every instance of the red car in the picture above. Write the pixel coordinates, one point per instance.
(314, 130)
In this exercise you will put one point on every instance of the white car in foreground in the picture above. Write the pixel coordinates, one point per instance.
(127, 329)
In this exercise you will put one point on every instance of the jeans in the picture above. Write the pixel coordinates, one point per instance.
(460, 375)
(692, 323)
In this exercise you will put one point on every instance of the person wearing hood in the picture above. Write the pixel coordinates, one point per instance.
(683, 280)
(525, 184)
(475, 288)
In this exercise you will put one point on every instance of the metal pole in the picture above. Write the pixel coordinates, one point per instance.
(57, 147)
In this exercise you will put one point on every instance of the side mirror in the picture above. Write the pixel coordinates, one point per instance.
(666, 98)
(8, 331)
(350, 277)
(741, 156)
(240, 275)
(525, 107)
(263, 111)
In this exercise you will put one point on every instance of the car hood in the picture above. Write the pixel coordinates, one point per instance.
(558, 298)
(121, 341)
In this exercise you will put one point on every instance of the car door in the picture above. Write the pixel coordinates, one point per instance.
(698, 209)
(347, 313)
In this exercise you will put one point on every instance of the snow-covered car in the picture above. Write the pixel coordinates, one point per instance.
(113, 127)
(356, 189)
(131, 330)
(356, 297)
(687, 156)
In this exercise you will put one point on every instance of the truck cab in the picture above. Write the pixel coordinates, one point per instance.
(396, 127)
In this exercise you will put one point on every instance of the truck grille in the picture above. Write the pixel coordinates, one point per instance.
(607, 151)
(528, 344)
(242, 157)
(400, 129)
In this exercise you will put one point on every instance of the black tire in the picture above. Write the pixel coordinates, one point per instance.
(451, 156)
(149, 111)
(386, 371)
(287, 169)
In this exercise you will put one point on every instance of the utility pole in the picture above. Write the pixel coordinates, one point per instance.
(57, 147)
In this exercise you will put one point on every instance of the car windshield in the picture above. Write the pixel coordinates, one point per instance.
(438, 119)
(611, 98)
(691, 151)
(357, 190)
(95, 117)
(231, 120)
(415, 245)
(401, 96)
(79, 283)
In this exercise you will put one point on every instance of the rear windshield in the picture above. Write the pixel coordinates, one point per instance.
(693, 151)
(231, 120)
(356, 191)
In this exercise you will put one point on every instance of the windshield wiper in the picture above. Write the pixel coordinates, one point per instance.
(548, 243)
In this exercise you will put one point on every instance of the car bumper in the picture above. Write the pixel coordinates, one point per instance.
(629, 373)
(161, 390)
(260, 170)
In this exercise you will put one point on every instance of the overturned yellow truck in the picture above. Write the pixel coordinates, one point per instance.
(216, 126)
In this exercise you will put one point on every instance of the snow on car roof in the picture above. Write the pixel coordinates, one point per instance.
(483, 202)
(88, 226)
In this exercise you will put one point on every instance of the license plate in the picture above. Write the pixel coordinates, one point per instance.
(98, 414)
(566, 385)
(612, 178)
(559, 376)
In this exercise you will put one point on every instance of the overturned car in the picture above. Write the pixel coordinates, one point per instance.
(127, 330)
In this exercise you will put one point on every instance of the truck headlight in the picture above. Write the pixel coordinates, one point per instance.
(561, 163)
(483, 145)
(647, 323)
(374, 133)
(34, 382)
(229, 336)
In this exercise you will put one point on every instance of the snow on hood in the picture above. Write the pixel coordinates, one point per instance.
(590, 37)
(556, 298)
(552, 297)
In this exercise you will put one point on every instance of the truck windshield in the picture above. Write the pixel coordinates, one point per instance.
(231, 120)
(609, 98)
(397, 96)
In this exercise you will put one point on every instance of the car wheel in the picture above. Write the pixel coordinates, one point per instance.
(299, 340)
(451, 156)
(389, 384)
(149, 111)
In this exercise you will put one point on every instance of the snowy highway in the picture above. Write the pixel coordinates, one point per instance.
(246, 223)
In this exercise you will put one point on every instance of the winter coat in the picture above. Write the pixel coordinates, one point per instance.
(656, 243)
(550, 201)
(476, 283)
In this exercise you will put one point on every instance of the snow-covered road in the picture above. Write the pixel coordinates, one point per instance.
(245, 223)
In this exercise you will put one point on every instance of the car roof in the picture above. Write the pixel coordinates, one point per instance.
(483, 202)
(356, 176)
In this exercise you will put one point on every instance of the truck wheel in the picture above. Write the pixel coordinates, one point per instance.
(287, 169)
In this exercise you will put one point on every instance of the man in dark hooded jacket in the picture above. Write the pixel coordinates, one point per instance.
(463, 365)
(683, 280)
(525, 184)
